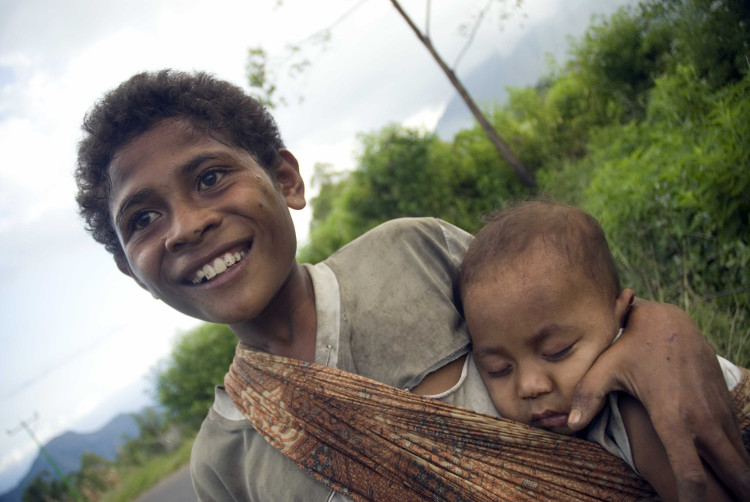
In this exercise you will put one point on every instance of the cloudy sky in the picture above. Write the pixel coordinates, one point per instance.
(78, 339)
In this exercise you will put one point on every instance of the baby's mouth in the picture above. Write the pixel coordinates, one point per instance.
(549, 419)
(217, 267)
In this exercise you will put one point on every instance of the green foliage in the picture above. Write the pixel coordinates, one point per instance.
(646, 127)
(135, 480)
(713, 36)
(406, 172)
(185, 382)
(44, 488)
(617, 60)
(682, 187)
(156, 436)
(94, 477)
(673, 194)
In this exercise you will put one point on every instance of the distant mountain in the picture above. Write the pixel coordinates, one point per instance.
(67, 449)
(525, 64)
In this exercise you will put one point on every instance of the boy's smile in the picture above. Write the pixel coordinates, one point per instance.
(537, 324)
(204, 227)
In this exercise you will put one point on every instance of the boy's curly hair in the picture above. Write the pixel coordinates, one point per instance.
(210, 105)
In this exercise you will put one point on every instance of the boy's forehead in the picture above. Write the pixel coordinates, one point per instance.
(167, 142)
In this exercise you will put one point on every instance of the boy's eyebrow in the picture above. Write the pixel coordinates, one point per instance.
(141, 195)
(195, 162)
(131, 200)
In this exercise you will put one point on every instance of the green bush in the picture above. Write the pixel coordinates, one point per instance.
(673, 194)
(646, 127)
(185, 382)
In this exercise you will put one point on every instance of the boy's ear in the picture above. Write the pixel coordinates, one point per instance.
(124, 266)
(290, 180)
(622, 306)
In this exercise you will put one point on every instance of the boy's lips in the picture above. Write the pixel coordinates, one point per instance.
(211, 267)
(549, 419)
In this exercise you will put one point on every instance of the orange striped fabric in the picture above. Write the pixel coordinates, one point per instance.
(370, 441)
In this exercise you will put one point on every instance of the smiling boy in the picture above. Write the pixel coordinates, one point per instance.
(186, 181)
(173, 185)
(542, 301)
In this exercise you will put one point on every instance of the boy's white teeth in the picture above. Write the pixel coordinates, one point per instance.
(217, 267)
(220, 265)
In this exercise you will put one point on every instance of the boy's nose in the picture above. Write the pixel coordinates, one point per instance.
(532, 383)
(189, 226)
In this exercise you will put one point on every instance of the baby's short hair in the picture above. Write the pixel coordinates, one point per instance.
(566, 230)
(209, 105)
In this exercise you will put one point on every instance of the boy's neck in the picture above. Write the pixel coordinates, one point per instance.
(288, 325)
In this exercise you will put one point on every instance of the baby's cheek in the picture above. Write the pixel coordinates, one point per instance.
(504, 403)
(568, 382)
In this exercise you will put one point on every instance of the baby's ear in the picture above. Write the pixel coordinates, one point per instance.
(622, 305)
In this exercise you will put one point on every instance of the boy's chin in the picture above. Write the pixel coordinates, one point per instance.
(230, 314)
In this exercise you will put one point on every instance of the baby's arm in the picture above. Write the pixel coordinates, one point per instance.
(651, 458)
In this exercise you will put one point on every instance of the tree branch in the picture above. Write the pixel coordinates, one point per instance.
(502, 148)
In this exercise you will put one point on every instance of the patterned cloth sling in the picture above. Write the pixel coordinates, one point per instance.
(370, 441)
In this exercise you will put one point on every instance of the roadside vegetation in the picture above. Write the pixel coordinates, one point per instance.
(184, 386)
(135, 480)
(647, 126)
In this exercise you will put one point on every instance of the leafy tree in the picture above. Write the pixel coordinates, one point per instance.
(501, 146)
(407, 172)
(618, 59)
(44, 489)
(157, 436)
(639, 127)
(398, 175)
(185, 382)
(711, 36)
(680, 184)
(667, 165)
(95, 476)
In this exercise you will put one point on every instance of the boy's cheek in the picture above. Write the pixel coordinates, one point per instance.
(123, 264)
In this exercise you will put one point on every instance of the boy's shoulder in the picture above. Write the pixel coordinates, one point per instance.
(422, 235)
(396, 287)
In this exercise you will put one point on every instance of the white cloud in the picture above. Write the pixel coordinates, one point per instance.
(426, 118)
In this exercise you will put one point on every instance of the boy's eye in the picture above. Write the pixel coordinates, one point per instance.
(209, 179)
(557, 356)
(143, 219)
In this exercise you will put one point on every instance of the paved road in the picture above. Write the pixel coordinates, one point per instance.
(176, 487)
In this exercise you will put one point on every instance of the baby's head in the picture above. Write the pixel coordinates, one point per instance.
(542, 300)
